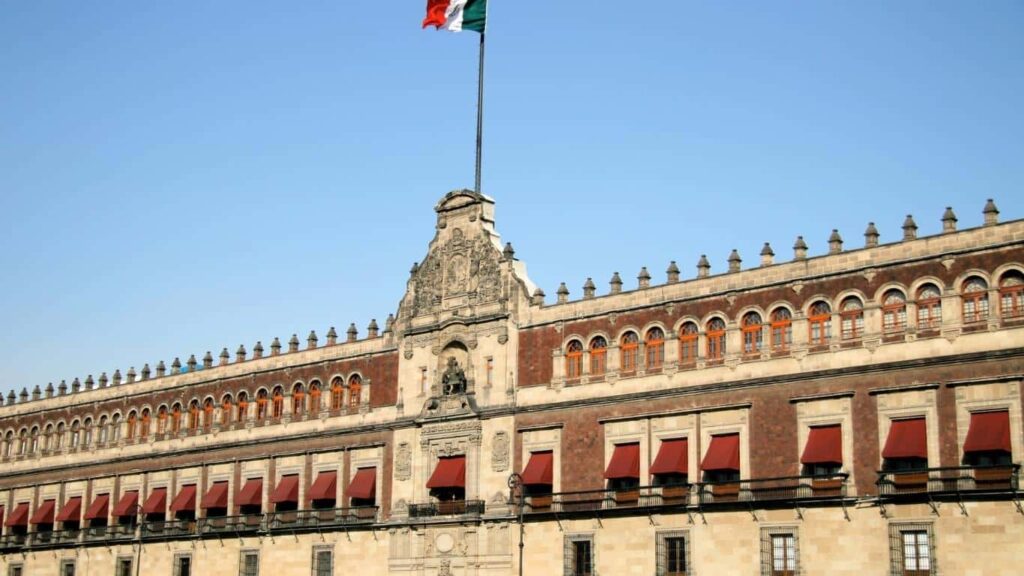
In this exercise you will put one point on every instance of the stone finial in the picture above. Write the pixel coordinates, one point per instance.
(589, 289)
(415, 268)
(835, 242)
(767, 255)
(192, 363)
(948, 220)
(89, 382)
(909, 228)
(734, 261)
(703, 267)
(23, 397)
(332, 336)
(389, 324)
(36, 393)
(672, 273)
(240, 353)
(1, 399)
(11, 399)
(538, 297)
(75, 385)
(293, 343)
(131, 374)
(176, 366)
(225, 356)
(372, 330)
(208, 359)
(257, 350)
(509, 253)
(352, 334)
(145, 372)
(871, 236)
(311, 340)
(615, 284)
(49, 390)
(62, 388)
(563, 293)
(799, 249)
(116, 381)
(991, 213)
(103, 380)
(275, 347)
(643, 279)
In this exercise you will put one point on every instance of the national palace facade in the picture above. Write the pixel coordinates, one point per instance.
(854, 412)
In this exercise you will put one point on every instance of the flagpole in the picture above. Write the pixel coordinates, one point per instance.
(479, 113)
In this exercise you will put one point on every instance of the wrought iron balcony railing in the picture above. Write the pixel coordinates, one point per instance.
(447, 508)
(326, 518)
(9, 541)
(168, 528)
(230, 524)
(949, 480)
(105, 533)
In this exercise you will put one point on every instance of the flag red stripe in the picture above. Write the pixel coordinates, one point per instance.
(436, 13)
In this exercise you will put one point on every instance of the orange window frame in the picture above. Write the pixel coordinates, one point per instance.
(277, 405)
(241, 410)
(852, 324)
(574, 360)
(207, 415)
(975, 306)
(144, 426)
(822, 323)
(298, 402)
(894, 317)
(929, 313)
(314, 400)
(1011, 301)
(129, 432)
(688, 346)
(781, 334)
(225, 413)
(355, 389)
(654, 348)
(598, 360)
(753, 338)
(716, 344)
(629, 351)
(337, 395)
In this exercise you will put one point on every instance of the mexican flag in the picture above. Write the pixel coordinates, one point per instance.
(456, 15)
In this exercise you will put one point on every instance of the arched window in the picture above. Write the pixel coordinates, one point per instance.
(277, 400)
(894, 311)
(225, 411)
(629, 346)
(193, 415)
(654, 348)
(261, 405)
(129, 432)
(688, 335)
(242, 407)
(298, 400)
(819, 323)
(753, 334)
(58, 438)
(574, 360)
(115, 427)
(716, 339)
(102, 432)
(355, 391)
(207, 413)
(851, 314)
(314, 397)
(8, 443)
(1011, 294)
(176, 418)
(22, 442)
(929, 307)
(598, 356)
(337, 393)
(975, 299)
(161, 420)
(75, 434)
(87, 433)
(781, 330)
(48, 438)
(34, 445)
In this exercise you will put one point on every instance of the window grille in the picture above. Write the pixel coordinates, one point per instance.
(780, 555)
(323, 561)
(249, 563)
(579, 555)
(912, 550)
(673, 553)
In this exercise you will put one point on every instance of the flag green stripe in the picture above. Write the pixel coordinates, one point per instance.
(474, 16)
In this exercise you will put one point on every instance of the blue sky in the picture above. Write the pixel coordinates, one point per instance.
(180, 177)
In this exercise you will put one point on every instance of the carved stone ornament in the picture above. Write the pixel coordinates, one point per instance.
(445, 569)
(403, 461)
(499, 452)
(465, 265)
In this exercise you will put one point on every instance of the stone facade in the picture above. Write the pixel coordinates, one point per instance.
(402, 452)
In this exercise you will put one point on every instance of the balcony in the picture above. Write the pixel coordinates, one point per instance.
(316, 519)
(12, 541)
(54, 538)
(766, 490)
(246, 523)
(168, 529)
(447, 508)
(956, 480)
(117, 532)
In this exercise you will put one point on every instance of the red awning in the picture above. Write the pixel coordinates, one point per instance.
(539, 470)
(723, 453)
(185, 500)
(364, 485)
(625, 462)
(449, 473)
(824, 446)
(287, 489)
(19, 517)
(989, 431)
(71, 511)
(126, 506)
(907, 439)
(216, 496)
(98, 508)
(325, 487)
(44, 514)
(157, 502)
(251, 494)
(672, 457)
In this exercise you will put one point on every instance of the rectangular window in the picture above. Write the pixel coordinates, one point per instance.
(579, 556)
(490, 371)
(14, 570)
(911, 550)
(323, 561)
(124, 567)
(249, 563)
(779, 554)
(673, 554)
(182, 565)
(67, 568)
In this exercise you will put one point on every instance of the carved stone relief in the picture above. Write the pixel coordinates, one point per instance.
(403, 462)
(499, 452)
(463, 266)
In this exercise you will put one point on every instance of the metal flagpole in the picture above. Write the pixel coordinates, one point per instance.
(480, 113)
